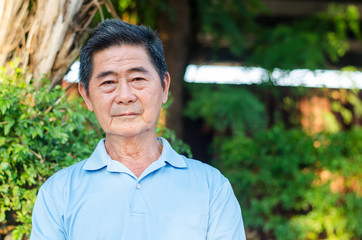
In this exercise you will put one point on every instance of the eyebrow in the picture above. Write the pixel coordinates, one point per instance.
(105, 74)
(138, 69)
(131, 70)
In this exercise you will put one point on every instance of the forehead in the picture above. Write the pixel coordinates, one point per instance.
(121, 54)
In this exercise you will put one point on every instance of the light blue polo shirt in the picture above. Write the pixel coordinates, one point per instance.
(174, 198)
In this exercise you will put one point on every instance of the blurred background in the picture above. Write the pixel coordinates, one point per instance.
(268, 91)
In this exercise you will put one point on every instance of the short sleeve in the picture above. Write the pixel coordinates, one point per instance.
(47, 218)
(225, 220)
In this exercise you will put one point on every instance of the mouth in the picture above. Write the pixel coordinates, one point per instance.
(127, 114)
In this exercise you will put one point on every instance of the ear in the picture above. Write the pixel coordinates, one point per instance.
(85, 96)
(166, 82)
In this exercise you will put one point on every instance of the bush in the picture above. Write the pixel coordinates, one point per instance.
(290, 185)
(41, 132)
(294, 186)
(224, 108)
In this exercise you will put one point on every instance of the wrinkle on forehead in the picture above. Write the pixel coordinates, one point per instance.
(128, 58)
(128, 71)
(136, 53)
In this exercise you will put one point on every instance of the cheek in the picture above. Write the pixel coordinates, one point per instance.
(152, 106)
(101, 107)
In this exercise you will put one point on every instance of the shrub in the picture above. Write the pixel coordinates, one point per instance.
(225, 107)
(290, 185)
(295, 186)
(41, 132)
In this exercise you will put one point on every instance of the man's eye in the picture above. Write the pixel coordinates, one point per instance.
(137, 79)
(107, 82)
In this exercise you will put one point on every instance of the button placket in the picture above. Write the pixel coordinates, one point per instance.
(138, 204)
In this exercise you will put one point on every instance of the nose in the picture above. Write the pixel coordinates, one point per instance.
(125, 94)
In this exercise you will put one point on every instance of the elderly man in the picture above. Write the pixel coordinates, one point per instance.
(134, 185)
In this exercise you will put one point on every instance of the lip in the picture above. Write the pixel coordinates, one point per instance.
(130, 114)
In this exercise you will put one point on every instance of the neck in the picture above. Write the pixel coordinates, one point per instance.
(136, 153)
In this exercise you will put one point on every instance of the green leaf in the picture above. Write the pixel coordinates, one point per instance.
(4, 188)
(8, 126)
(2, 215)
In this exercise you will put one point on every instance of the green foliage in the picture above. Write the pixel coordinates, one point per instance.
(243, 27)
(279, 177)
(224, 108)
(144, 12)
(343, 103)
(42, 132)
(344, 19)
(289, 46)
(307, 43)
(228, 22)
(290, 185)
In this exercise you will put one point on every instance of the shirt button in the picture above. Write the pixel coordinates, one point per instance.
(138, 186)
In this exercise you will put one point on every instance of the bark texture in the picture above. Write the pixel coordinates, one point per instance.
(44, 36)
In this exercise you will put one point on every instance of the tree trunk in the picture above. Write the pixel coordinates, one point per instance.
(44, 36)
(174, 29)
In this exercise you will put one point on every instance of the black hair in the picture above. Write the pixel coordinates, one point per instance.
(116, 33)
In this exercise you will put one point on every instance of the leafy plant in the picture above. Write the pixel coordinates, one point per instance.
(310, 43)
(226, 108)
(294, 186)
(41, 132)
(290, 185)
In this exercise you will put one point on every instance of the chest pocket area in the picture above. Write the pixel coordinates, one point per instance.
(182, 225)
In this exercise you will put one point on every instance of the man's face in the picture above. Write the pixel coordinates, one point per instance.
(125, 91)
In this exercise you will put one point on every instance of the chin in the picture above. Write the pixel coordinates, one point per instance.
(127, 133)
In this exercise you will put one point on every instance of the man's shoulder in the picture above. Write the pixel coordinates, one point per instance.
(204, 170)
(197, 164)
(64, 175)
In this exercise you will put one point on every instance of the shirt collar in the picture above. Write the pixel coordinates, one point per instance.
(100, 157)
(171, 156)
